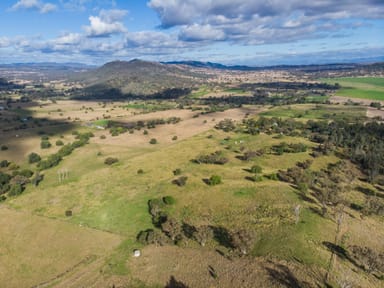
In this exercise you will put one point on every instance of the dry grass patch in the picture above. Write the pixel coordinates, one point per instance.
(36, 249)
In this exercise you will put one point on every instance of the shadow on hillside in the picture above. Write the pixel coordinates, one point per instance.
(173, 283)
(18, 124)
(105, 92)
(342, 253)
(283, 276)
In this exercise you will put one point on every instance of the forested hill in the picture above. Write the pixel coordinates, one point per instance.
(138, 78)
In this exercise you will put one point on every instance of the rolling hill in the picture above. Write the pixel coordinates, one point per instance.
(137, 78)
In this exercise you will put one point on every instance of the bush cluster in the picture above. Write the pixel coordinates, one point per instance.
(213, 158)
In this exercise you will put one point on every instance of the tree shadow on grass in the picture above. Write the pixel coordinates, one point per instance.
(222, 236)
(341, 253)
(285, 277)
(18, 123)
(173, 283)
(188, 230)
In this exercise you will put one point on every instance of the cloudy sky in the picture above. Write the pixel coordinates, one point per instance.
(252, 32)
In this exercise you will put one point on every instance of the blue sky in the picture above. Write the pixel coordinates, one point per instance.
(251, 32)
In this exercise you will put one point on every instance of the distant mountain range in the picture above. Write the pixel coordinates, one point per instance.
(311, 67)
(191, 63)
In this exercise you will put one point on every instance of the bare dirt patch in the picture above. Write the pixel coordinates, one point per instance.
(188, 127)
(343, 100)
(373, 112)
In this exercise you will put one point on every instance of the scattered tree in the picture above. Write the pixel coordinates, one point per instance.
(172, 228)
(177, 172)
(181, 181)
(256, 169)
(45, 144)
(110, 160)
(243, 240)
(153, 141)
(33, 158)
(203, 234)
(214, 180)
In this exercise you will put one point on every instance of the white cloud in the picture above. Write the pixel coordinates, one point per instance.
(198, 32)
(108, 22)
(35, 5)
(47, 7)
(75, 5)
(4, 42)
(68, 39)
(255, 21)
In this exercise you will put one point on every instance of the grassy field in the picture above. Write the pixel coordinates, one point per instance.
(364, 88)
(36, 249)
(202, 91)
(121, 208)
(110, 203)
(318, 111)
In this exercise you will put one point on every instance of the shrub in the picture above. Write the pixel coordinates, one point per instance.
(25, 172)
(16, 189)
(4, 178)
(2, 198)
(256, 169)
(4, 164)
(140, 171)
(243, 241)
(110, 160)
(45, 137)
(59, 143)
(181, 181)
(145, 132)
(51, 161)
(177, 172)
(151, 236)
(153, 141)
(155, 205)
(44, 144)
(169, 200)
(226, 125)
(214, 180)
(172, 228)
(4, 188)
(68, 213)
(4, 147)
(248, 155)
(255, 178)
(33, 158)
(65, 150)
(102, 137)
(273, 176)
(202, 234)
(213, 158)
(13, 166)
(174, 138)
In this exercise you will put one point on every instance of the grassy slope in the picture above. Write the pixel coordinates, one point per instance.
(365, 88)
(34, 249)
(318, 111)
(122, 207)
(114, 198)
